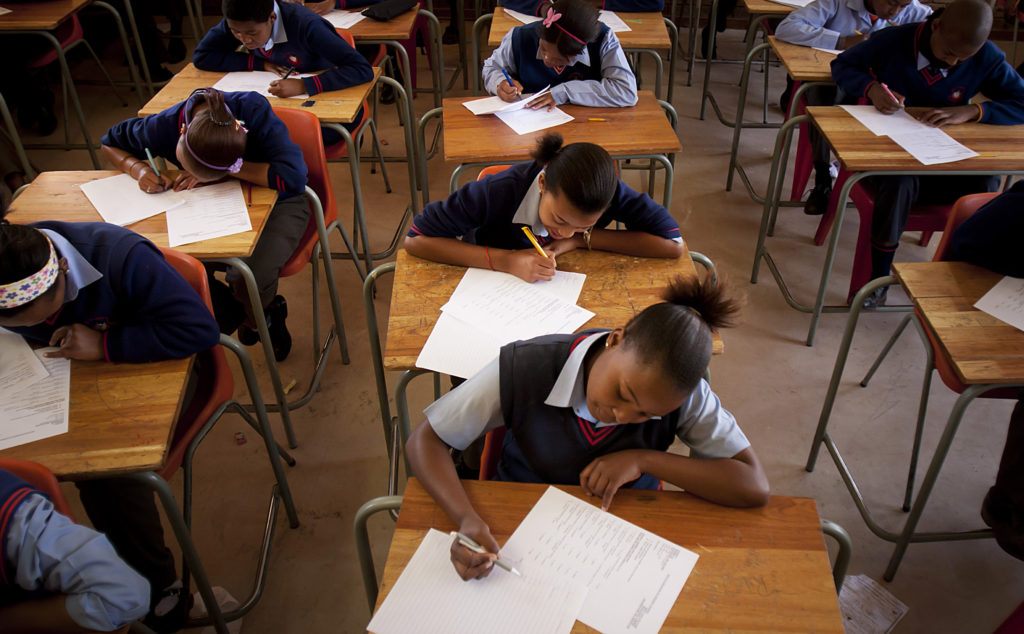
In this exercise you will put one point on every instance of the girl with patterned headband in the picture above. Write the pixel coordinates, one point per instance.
(569, 50)
(209, 137)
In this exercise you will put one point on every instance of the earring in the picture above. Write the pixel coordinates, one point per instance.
(607, 343)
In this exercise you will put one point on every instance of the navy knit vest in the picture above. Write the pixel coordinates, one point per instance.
(551, 444)
(534, 75)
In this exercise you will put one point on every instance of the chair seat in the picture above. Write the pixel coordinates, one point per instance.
(66, 39)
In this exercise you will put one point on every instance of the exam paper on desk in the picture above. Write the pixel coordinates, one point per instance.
(932, 146)
(613, 21)
(39, 410)
(210, 211)
(1005, 301)
(344, 19)
(882, 124)
(633, 576)
(119, 201)
(429, 597)
(495, 104)
(256, 81)
(19, 366)
(527, 120)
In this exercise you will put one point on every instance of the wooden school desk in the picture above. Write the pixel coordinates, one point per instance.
(617, 288)
(806, 66)
(760, 570)
(650, 32)
(760, 11)
(1001, 150)
(984, 352)
(640, 132)
(41, 19)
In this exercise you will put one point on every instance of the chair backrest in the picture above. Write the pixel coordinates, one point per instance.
(41, 478)
(491, 169)
(963, 208)
(304, 131)
(492, 453)
(210, 393)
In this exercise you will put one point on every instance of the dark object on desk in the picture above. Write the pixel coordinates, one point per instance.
(384, 11)
(308, 103)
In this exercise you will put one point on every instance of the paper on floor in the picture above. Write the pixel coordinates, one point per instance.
(119, 200)
(429, 597)
(1005, 301)
(494, 105)
(867, 607)
(525, 120)
(633, 576)
(344, 19)
(211, 211)
(39, 410)
(19, 366)
(256, 81)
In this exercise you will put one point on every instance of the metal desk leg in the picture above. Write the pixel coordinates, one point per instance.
(460, 24)
(30, 173)
(741, 105)
(694, 25)
(138, 46)
(376, 351)
(474, 53)
(712, 36)
(673, 36)
(133, 71)
(421, 139)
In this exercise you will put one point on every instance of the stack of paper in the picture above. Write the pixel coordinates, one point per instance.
(517, 116)
(928, 145)
(119, 200)
(490, 309)
(613, 21)
(494, 105)
(344, 19)
(799, 4)
(35, 392)
(1005, 301)
(256, 81)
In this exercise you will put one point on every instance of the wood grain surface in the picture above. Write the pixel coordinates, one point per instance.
(38, 16)
(648, 29)
(803, 63)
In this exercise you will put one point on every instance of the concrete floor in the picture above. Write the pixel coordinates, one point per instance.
(767, 377)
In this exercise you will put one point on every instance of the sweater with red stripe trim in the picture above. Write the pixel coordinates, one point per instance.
(313, 45)
(532, 7)
(13, 491)
(267, 141)
(890, 56)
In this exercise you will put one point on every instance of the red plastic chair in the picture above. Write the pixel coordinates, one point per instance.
(41, 478)
(491, 454)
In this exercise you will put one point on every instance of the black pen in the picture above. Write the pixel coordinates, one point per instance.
(291, 70)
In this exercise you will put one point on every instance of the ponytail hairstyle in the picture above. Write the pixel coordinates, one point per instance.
(675, 334)
(25, 252)
(583, 172)
(213, 138)
(569, 25)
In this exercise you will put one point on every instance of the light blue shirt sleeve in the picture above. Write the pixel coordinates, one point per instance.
(48, 551)
(823, 22)
(470, 410)
(617, 88)
(707, 428)
(501, 58)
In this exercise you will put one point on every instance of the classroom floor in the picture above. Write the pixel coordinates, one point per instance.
(767, 377)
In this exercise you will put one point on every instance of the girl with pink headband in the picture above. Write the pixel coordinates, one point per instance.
(209, 137)
(569, 50)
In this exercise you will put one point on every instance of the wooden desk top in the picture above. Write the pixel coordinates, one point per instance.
(617, 287)
(767, 7)
(648, 29)
(639, 129)
(120, 420)
(397, 28)
(39, 16)
(56, 196)
(982, 348)
(336, 106)
(803, 63)
(760, 570)
(1001, 147)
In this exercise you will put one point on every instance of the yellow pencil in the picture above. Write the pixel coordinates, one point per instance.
(596, 119)
(536, 245)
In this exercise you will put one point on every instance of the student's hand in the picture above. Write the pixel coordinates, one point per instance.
(605, 475)
(277, 69)
(77, 341)
(150, 183)
(287, 87)
(558, 247)
(528, 265)
(847, 41)
(544, 101)
(882, 101)
(185, 180)
(948, 116)
(468, 564)
(509, 93)
(321, 8)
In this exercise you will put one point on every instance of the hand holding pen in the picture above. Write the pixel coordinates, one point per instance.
(285, 87)
(509, 90)
(885, 99)
(473, 561)
(77, 341)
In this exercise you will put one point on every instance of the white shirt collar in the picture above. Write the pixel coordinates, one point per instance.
(528, 212)
(582, 58)
(922, 62)
(277, 35)
(80, 272)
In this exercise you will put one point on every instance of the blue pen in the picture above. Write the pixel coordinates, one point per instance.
(152, 163)
(508, 78)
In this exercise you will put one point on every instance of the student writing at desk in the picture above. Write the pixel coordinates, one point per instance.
(837, 24)
(285, 39)
(569, 50)
(206, 138)
(566, 196)
(941, 63)
(57, 576)
(600, 409)
(533, 7)
(101, 292)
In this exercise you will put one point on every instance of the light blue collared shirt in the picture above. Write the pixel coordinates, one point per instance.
(278, 34)
(80, 272)
(922, 63)
(823, 22)
(528, 212)
(617, 88)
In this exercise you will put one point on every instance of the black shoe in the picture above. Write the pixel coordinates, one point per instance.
(173, 608)
(159, 74)
(817, 201)
(280, 338)
(705, 35)
(1006, 523)
(248, 336)
(877, 298)
(228, 310)
(450, 35)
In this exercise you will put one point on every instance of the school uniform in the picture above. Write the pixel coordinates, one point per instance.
(533, 7)
(301, 40)
(599, 76)
(491, 212)
(901, 57)
(267, 142)
(537, 390)
(43, 553)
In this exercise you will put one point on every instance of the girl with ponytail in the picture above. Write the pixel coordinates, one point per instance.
(599, 409)
(567, 196)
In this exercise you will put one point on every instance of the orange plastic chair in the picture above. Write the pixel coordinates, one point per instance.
(491, 454)
(41, 478)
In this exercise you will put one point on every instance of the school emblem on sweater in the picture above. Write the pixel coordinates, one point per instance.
(293, 60)
(957, 95)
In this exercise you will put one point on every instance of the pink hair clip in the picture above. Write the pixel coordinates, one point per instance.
(552, 18)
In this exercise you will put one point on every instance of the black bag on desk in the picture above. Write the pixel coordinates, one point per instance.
(388, 9)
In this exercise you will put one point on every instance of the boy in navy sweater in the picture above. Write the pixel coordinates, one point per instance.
(940, 63)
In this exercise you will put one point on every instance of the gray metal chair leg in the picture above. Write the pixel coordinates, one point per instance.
(839, 533)
(885, 349)
(362, 538)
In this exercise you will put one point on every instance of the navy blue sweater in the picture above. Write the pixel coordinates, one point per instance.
(267, 140)
(532, 7)
(146, 310)
(313, 44)
(991, 237)
(482, 211)
(534, 75)
(890, 56)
